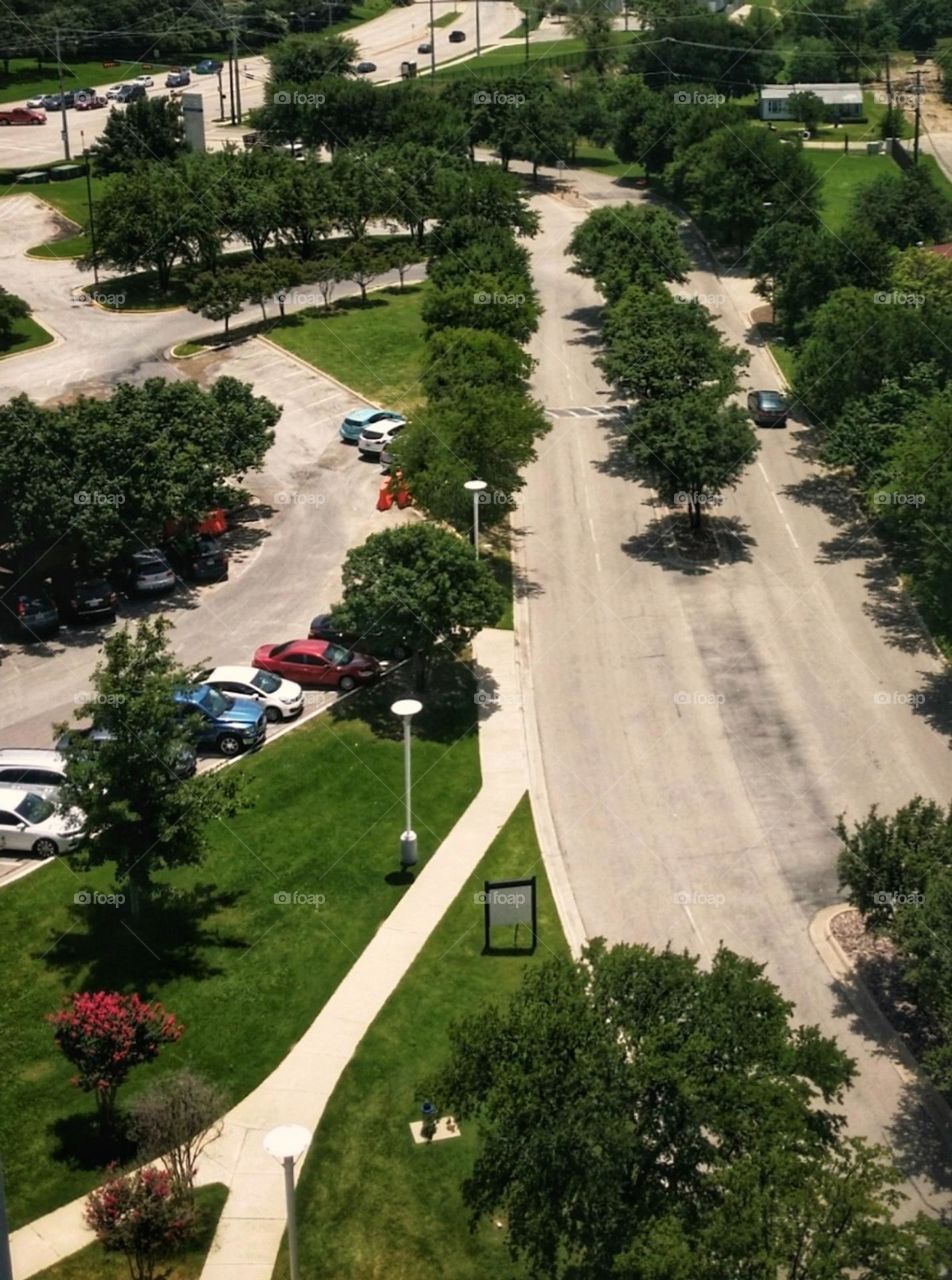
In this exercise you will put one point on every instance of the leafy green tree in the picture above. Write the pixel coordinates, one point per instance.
(544, 133)
(591, 22)
(808, 108)
(420, 586)
(358, 191)
(303, 59)
(140, 816)
(904, 211)
(644, 123)
(12, 309)
(505, 304)
(219, 295)
(306, 212)
(151, 129)
(485, 192)
(466, 246)
(285, 274)
(400, 256)
(861, 435)
(408, 175)
(813, 61)
(690, 448)
(456, 360)
(704, 48)
(141, 221)
(360, 263)
(658, 346)
(634, 244)
(251, 196)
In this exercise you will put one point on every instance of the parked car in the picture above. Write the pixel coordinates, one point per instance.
(114, 91)
(198, 559)
(375, 439)
(178, 78)
(365, 68)
(281, 699)
(317, 664)
(90, 102)
(183, 765)
(358, 420)
(225, 724)
(35, 101)
(57, 101)
(322, 628)
(768, 408)
(38, 769)
(425, 47)
(84, 598)
(22, 115)
(130, 92)
(29, 823)
(146, 81)
(148, 573)
(207, 67)
(457, 37)
(29, 615)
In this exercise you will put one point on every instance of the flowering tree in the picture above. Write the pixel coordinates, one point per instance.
(104, 1034)
(139, 1215)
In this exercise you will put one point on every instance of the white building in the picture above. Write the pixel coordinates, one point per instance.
(845, 101)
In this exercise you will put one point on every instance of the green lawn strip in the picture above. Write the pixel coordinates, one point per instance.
(25, 79)
(785, 359)
(94, 1263)
(244, 973)
(371, 1203)
(184, 349)
(70, 199)
(532, 13)
(26, 335)
(931, 165)
(509, 59)
(840, 175)
(604, 161)
(446, 20)
(375, 348)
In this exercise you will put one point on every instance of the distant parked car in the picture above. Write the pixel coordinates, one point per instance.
(38, 769)
(365, 68)
(29, 823)
(113, 92)
(322, 628)
(198, 559)
(90, 102)
(22, 115)
(281, 699)
(29, 615)
(457, 37)
(146, 81)
(768, 408)
(425, 47)
(130, 92)
(57, 101)
(35, 101)
(85, 598)
(207, 67)
(358, 420)
(148, 573)
(183, 765)
(374, 439)
(317, 664)
(226, 724)
(178, 79)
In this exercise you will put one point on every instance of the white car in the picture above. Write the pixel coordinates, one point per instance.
(281, 699)
(36, 102)
(112, 93)
(32, 769)
(146, 81)
(29, 823)
(374, 440)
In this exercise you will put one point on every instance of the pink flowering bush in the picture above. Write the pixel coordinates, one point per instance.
(104, 1034)
(139, 1215)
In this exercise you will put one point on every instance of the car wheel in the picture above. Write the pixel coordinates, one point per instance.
(272, 715)
(45, 848)
(229, 744)
(346, 684)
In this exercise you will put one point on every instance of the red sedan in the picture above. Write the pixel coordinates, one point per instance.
(317, 664)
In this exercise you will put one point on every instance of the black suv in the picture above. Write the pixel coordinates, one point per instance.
(29, 615)
(457, 37)
(768, 408)
(84, 598)
(322, 628)
(199, 559)
(130, 93)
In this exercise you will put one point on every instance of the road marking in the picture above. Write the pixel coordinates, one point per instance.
(776, 501)
(598, 561)
(697, 931)
(763, 472)
(792, 538)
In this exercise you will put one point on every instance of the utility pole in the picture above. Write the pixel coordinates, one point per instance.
(915, 145)
(525, 18)
(231, 87)
(221, 99)
(59, 76)
(477, 29)
(234, 54)
(432, 41)
(89, 203)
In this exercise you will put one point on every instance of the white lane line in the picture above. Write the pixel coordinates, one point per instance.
(776, 501)
(763, 472)
(598, 560)
(792, 538)
(697, 931)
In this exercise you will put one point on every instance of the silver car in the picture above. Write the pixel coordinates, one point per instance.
(36, 769)
(29, 823)
(150, 573)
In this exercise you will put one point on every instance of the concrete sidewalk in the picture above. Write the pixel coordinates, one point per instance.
(252, 1223)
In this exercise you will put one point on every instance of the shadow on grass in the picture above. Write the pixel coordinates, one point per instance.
(671, 544)
(170, 940)
(79, 1143)
(449, 702)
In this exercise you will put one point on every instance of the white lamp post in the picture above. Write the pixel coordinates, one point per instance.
(287, 1144)
(406, 709)
(475, 487)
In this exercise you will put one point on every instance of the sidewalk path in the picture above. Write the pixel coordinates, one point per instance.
(249, 1233)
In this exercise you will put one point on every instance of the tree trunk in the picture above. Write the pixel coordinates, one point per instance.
(264, 314)
(227, 321)
(106, 1110)
(421, 670)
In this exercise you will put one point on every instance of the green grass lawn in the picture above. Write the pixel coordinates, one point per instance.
(532, 12)
(840, 174)
(245, 972)
(377, 349)
(446, 20)
(26, 335)
(785, 359)
(70, 198)
(93, 1263)
(603, 159)
(371, 1203)
(509, 59)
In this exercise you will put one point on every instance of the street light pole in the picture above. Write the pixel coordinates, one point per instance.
(475, 487)
(406, 709)
(432, 41)
(89, 203)
(287, 1144)
(62, 95)
(477, 29)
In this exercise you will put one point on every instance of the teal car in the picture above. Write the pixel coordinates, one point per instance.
(358, 420)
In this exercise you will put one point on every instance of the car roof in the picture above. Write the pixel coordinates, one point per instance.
(307, 646)
(148, 553)
(771, 395)
(247, 674)
(10, 797)
(366, 412)
(32, 756)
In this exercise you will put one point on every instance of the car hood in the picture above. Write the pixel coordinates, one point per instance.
(61, 824)
(242, 711)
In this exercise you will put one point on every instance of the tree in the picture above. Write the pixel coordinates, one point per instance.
(174, 1120)
(358, 191)
(305, 205)
(690, 448)
(326, 274)
(644, 123)
(809, 108)
(704, 48)
(408, 174)
(658, 346)
(419, 586)
(360, 263)
(465, 246)
(487, 193)
(12, 309)
(138, 1215)
(613, 1098)
(253, 195)
(455, 360)
(104, 1034)
(399, 257)
(219, 295)
(813, 61)
(140, 816)
(303, 60)
(506, 305)
(151, 129)
(635, 244)
(285, 274)
(904, 211)
(591, 22)
(141, 222)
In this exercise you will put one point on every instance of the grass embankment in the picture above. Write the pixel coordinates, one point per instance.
(26, 335)
(370, 1201)
(228, 949)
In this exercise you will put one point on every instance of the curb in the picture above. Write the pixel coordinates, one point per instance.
(56, 340)
(313, 368)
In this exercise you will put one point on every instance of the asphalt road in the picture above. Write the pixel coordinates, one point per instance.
(703, 723)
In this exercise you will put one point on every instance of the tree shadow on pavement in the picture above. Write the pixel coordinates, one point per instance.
(589, 322)
(668, 543)
(933, 701)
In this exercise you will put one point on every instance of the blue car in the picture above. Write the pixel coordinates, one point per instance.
(357, 421)
(225, 723)
(208, 67)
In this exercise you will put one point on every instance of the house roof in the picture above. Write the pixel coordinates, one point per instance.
(944, 250)
(831, 94)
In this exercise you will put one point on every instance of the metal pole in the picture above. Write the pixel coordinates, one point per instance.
(292, 1216)
(89, 202)
(59, 76)
(915, 148)
(6, 1266)
(476, 523)
(231, 88)
(432, 41)
(221, 99)
(407, 776)
(526, 20)
(478, 49)
(234, 50)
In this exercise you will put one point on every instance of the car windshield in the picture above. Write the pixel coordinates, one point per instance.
(772, 400)
(338, 656)
(266, 682)
(34, 809)
(280, 648)
(211, 700)
(152, 566)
